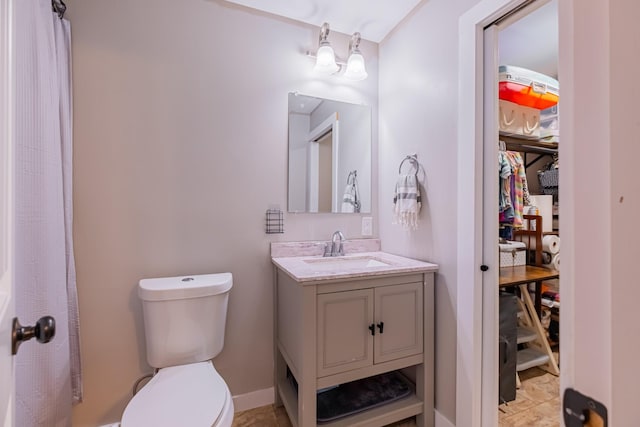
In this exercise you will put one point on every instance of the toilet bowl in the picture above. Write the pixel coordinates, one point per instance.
(185, 395)
(184, 323)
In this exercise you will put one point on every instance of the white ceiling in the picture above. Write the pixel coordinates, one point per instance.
(374, 19)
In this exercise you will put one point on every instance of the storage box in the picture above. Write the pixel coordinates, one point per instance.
(518, 120)
(549, 122)
(513, 254)
(527, 87)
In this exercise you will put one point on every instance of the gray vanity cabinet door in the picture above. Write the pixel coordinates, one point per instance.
(399, 312)
(344, 339)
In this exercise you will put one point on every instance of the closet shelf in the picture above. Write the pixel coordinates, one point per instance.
(527, 144)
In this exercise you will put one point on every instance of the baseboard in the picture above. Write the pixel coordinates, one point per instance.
(254, 399)
(442, 421)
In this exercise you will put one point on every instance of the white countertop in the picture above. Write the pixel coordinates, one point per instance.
(304, 268)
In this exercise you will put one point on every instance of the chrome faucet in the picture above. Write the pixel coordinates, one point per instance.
(336, 245)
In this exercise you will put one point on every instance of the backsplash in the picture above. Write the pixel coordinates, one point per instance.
(311, 248)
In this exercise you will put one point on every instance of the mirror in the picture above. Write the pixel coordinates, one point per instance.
(329, 156)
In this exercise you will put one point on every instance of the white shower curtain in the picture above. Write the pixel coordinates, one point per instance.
(48, 377)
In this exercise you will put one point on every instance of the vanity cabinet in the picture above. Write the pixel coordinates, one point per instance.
(368, 326)
(331, 331)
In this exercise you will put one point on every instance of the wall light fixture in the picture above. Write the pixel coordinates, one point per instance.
(326, 62)
(325, 57)
(356, 69)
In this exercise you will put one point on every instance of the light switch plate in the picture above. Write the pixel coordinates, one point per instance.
(367, 226)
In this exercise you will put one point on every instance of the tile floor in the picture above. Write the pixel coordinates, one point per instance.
(537, 404)
(265, 416)
(270, 416)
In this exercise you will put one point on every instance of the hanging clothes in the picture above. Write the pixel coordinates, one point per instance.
(504, 173)
(514, 191)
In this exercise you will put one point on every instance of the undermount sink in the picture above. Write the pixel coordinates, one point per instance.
(345, 263)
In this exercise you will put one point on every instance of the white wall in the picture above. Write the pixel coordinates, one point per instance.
(600, 39)
(180, 146)
(625, 206)
(418, 114)
(586, 144)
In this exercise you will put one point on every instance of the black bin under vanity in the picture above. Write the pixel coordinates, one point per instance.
(357, 396)
(360, 395)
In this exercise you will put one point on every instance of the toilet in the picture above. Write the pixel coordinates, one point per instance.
(184, 323)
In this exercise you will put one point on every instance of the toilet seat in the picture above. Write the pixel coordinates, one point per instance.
(186, 395)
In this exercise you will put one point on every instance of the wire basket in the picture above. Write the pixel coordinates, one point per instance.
(274, 221)
(549, 181)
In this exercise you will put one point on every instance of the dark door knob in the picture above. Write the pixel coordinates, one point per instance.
(43, 331)
(484, 267)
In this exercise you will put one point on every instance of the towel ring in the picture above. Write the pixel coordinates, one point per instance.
(352, 175)
(414, 162)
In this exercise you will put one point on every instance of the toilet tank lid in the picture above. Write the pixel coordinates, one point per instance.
(182, 287)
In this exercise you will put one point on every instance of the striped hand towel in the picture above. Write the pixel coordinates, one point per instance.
(407, 202)
(351, 199)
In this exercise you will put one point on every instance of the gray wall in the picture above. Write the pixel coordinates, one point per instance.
(180, 146)
(418, 114)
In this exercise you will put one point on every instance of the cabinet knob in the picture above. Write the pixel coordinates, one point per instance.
(372, 328)
(484, 267)
(381, 326)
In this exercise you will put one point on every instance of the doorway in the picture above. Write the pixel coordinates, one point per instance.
(323, 146)
(478, 261)
(597, 279)
(325, 162)
(528, 287)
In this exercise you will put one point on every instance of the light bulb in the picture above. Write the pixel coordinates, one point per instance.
(326, 59)
(355, 67)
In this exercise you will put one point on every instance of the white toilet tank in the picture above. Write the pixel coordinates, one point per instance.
(184, 317)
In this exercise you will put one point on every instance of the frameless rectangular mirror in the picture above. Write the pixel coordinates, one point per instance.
(329, 156)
